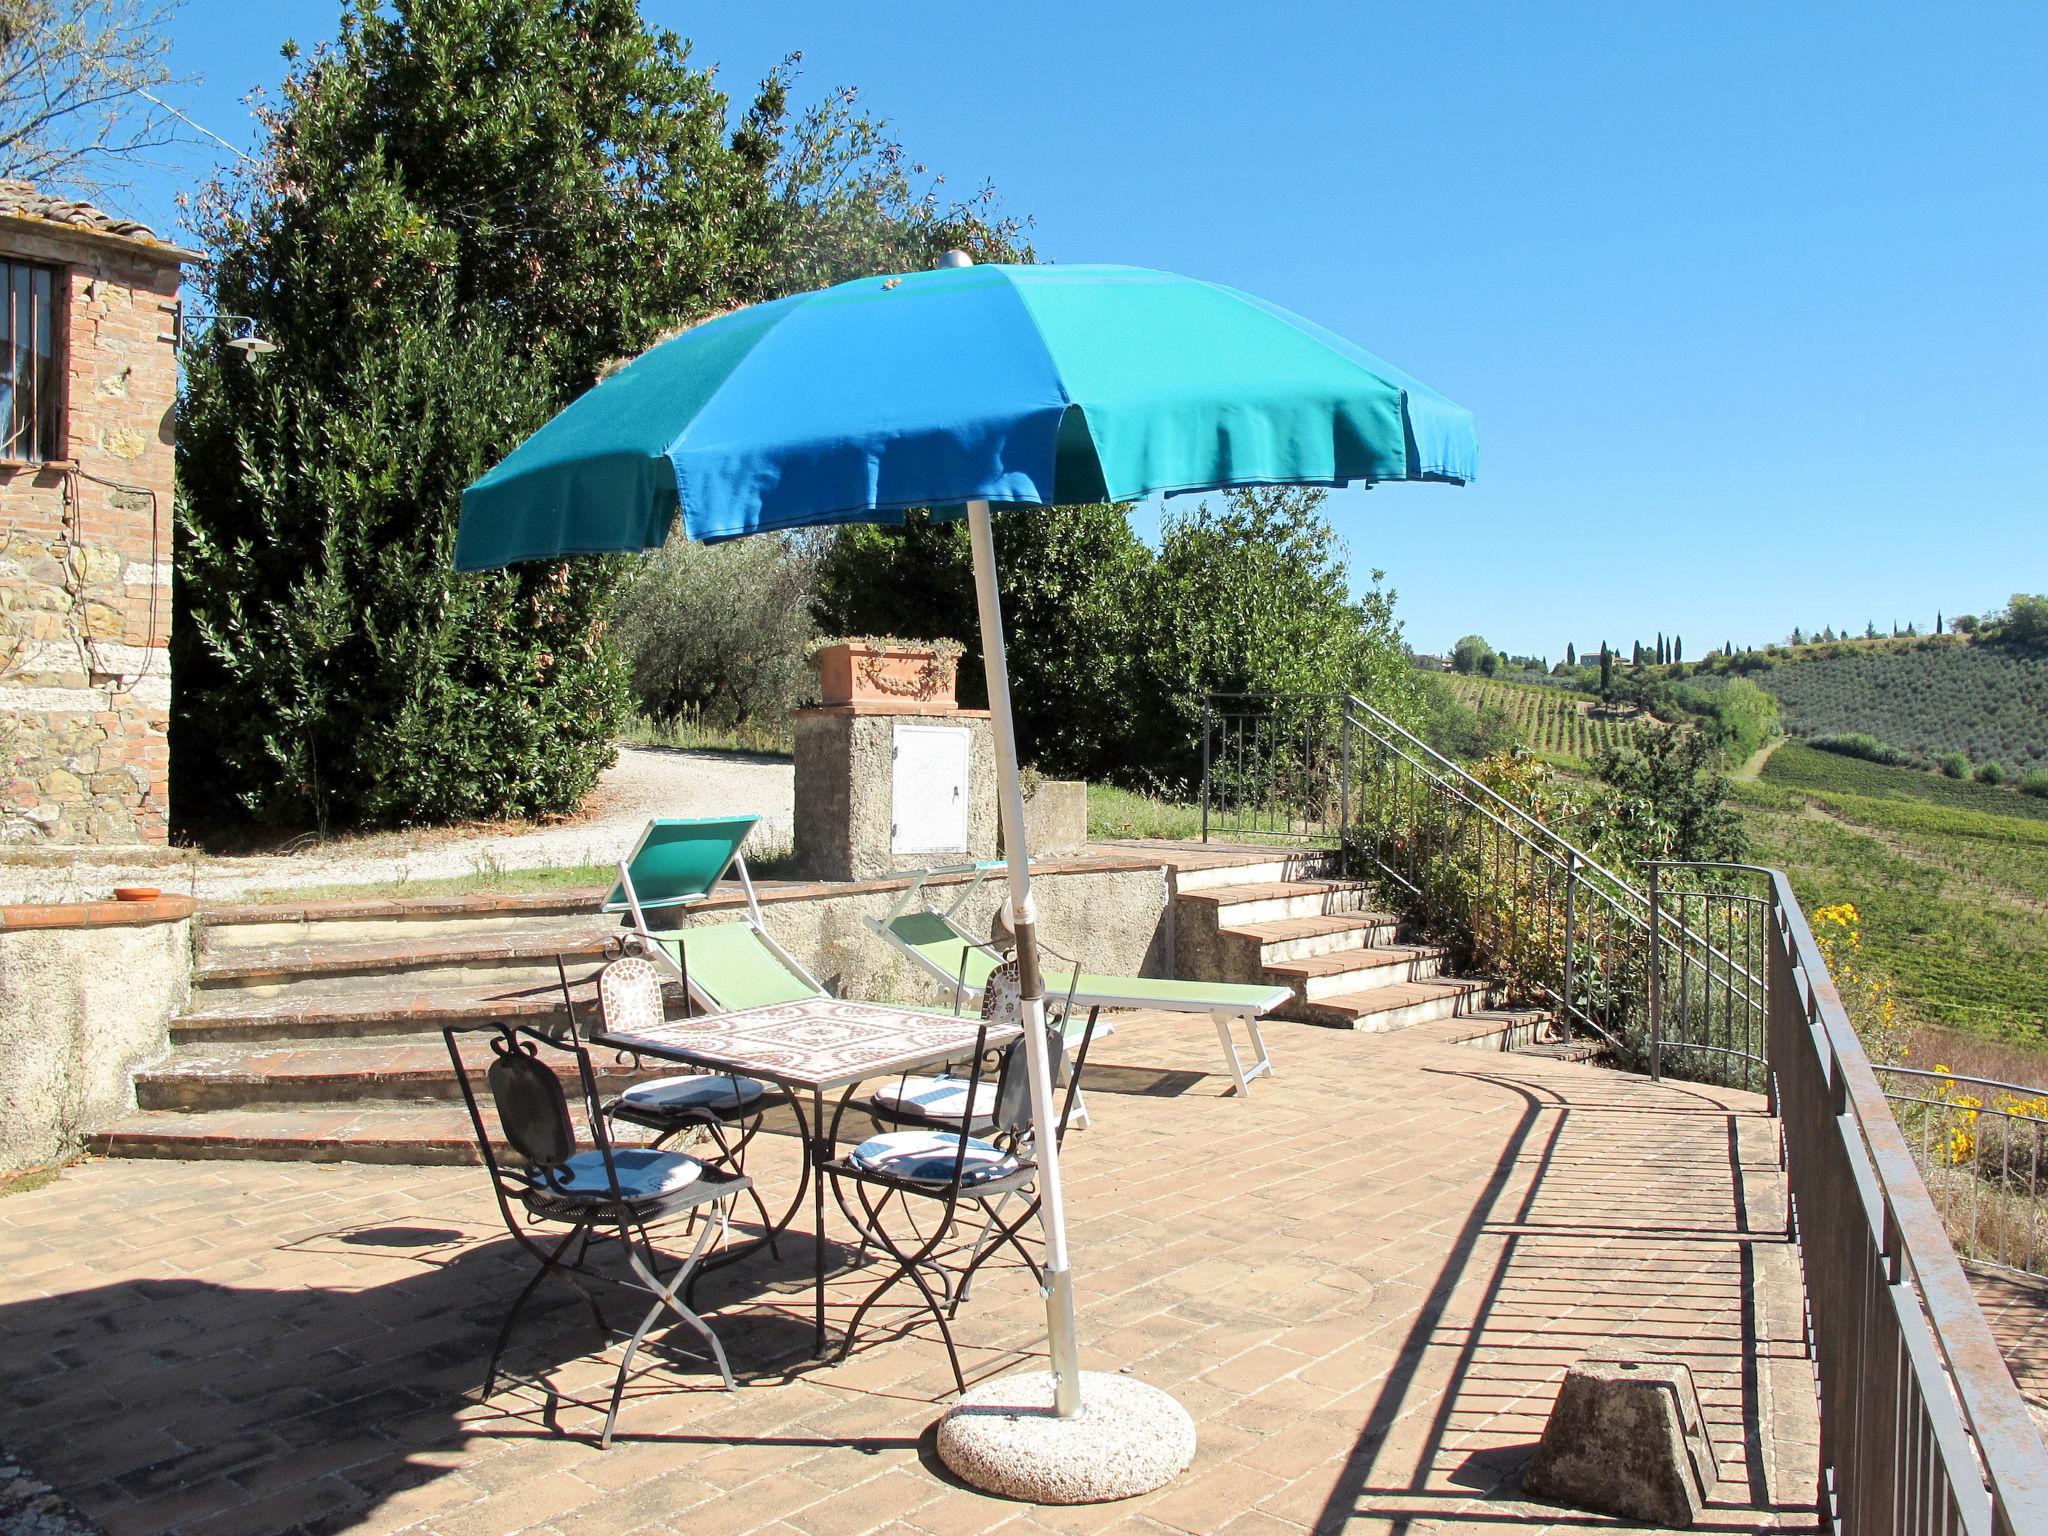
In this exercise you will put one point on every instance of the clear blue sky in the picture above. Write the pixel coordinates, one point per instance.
(1751, 300)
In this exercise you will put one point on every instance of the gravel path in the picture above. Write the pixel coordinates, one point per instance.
(644, 782)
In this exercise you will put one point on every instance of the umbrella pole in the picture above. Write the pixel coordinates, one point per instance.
(1059, 1278)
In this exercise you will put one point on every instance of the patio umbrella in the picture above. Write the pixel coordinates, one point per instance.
(961, 389)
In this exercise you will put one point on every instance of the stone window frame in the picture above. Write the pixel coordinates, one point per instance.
(49, 440)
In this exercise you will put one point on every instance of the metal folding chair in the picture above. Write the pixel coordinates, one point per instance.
(591, 1192)
(729, 1109)
(945, 1170)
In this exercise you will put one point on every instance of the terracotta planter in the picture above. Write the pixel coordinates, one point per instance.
(892, 674)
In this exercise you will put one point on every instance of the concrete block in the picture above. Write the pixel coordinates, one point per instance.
(1056, 818)
(1626, 1438)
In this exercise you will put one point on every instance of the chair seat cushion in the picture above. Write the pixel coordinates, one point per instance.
(926, 1157)
(937, 1098)
(691, 1091)
(644, 1174)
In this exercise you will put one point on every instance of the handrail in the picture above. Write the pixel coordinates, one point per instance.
(1833, 1106)
(1445, 765)
(2032, 1091)
(1576, 859)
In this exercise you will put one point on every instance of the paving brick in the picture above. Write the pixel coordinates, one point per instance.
(1366, 1319)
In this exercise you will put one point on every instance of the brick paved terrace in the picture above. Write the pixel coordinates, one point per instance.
(1365, 1285)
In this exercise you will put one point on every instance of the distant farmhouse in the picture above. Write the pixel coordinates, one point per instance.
(88, 385)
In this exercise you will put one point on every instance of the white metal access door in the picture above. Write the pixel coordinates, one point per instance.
(928, 804)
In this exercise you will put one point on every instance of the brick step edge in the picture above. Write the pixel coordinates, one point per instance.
(405, 1135)
(283, 962)
(191, 1088)
(1438, 998)
(342, 1017)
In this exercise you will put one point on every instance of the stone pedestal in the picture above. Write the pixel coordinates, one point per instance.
(1626, 1438)
(887, 786)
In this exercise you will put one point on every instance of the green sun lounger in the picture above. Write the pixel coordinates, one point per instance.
(724, 966)
(937, 943)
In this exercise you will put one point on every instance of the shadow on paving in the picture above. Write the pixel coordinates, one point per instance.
(1582, 1243)
(304, 1409)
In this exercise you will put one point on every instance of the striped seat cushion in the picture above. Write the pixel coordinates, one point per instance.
(691, 1091)
(926, 1157)
(643, 1174)
(938, 1098)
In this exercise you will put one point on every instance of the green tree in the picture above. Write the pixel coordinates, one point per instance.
(1606, 671)
(722, 630)
(2024, 623)
(1470, 653)
(1667, 801)
(463, 210)
(1571, 654)
(1250, 594)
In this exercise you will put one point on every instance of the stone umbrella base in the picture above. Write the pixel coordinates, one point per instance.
(1128, 1438)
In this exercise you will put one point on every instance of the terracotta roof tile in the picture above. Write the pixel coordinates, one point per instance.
(24, 199)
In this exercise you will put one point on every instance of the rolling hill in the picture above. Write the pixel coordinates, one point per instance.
(1927, 696)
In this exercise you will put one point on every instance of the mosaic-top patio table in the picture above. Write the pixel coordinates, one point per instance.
(814, 1045)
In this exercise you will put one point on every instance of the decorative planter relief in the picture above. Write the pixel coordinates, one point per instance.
(887, 671)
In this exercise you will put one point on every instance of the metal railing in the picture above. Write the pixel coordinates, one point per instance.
(1276, 766)
(1921, 1427)
(1710, 974)
(1504, 889)
(1982, 1147)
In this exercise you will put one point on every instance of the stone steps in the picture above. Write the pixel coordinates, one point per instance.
(324, 967)
(242, 1014)
(1401, 1004)
(1339, 972)
(1235, 905)
(412, 1069)
(313, 1030)
(1348, 964)
(1303, 938)
(359, 1132)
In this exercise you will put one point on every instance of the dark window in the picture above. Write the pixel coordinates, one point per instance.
(30, 391)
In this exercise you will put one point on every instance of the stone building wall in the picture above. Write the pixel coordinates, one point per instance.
(85, 548)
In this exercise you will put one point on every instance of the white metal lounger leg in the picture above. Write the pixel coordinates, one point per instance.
(1244, 1088)
(1265, 1062)
(1262, 1062)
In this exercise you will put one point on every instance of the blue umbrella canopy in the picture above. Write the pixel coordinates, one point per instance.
(1049, 385)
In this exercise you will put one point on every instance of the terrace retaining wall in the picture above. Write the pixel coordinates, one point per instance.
(87, 993)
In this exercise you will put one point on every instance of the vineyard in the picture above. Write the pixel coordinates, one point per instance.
(1553, 722)
(1951, 880)
(1983, 700)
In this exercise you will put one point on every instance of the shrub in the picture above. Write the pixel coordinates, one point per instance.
(2036, 784)
(1462, 731)
(1667, 801)
(1869, 748)
(721, 632)
(1992, 772)
(1955, 765)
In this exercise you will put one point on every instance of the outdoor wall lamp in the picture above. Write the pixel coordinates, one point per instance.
(242, 335)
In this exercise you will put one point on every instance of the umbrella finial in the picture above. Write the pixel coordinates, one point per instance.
(956, 259)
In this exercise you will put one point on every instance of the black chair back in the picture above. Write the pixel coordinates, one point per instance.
(1012, 1112)
(533, 1109)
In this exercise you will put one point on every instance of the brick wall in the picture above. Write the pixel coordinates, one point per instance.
(85, 565)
